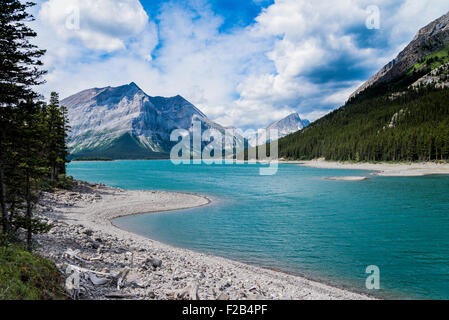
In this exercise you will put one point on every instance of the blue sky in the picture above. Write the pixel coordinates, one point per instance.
(244, 63)
(236, 13)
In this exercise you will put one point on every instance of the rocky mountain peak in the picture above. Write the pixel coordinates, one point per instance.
(439, 25)
(288, 125)
(125, 122)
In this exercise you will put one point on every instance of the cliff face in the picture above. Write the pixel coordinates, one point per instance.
(432, 38)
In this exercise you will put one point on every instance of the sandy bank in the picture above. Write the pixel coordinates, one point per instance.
(384, 169)
(347, 178)
(127, 265)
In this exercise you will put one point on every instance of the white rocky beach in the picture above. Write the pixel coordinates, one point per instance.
(114, 264)
(383, 169)
(346, 178)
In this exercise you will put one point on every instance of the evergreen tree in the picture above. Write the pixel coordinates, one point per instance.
(57, 128)
(20, 110)
(32, 164)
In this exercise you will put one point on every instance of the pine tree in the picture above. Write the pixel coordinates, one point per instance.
(19, 73)
(63, 132)
(32, 163)
(52, 117)
(57, 128)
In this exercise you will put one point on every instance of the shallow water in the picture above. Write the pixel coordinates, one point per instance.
(299, 222)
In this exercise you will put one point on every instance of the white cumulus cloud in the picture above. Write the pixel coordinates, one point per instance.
(99, 25)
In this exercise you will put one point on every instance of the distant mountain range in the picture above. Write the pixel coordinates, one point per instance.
(126, 123)
(399, 114)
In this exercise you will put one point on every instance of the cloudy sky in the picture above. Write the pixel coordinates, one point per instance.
(244, 63)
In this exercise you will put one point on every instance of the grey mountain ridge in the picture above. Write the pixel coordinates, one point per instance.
(124, 122)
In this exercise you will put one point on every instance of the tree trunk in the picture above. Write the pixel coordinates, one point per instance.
(29, 214)
(52, 176)
(4, 219)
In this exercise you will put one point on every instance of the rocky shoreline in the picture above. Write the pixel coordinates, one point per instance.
(383, 169)
(111, 263)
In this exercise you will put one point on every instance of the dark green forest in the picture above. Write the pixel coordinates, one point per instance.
(413, 126)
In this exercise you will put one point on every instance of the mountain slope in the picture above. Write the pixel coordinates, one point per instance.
(125, 123)
(431, 41)
(401, 114)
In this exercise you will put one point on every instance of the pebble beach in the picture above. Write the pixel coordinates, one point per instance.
(115, 264)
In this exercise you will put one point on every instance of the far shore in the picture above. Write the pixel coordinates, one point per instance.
(406, 169)
(117, 264)
(410, 169)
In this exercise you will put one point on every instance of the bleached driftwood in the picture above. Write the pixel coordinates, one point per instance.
(121, 278)
(72, 282)
(97, 281)
(84, 270)
(72, 254)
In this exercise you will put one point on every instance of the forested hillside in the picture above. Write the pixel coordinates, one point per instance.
(399, 114)
(411, 126)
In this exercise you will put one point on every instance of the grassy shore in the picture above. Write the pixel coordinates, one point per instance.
(26, 276)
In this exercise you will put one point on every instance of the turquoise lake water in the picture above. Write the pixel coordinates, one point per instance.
(299, 222)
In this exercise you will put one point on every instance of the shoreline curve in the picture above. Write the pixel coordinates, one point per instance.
(93, 207)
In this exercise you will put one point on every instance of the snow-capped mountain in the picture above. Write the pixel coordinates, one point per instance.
(124, 122)
(286, 126)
